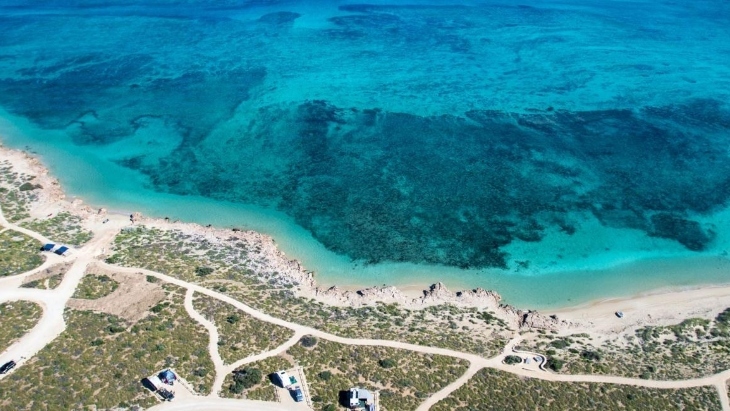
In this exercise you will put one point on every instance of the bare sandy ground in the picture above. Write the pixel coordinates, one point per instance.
(131, 300)
(48, 272)
(658, 308)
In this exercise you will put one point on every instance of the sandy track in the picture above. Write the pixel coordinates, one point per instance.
(219, 404)
(223, 372)
(29, 233)
(446, 391)
(721, 387)
(50, 325)
(222, 369)
(213, 339)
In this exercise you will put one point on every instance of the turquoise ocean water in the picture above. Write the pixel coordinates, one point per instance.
(557, 152)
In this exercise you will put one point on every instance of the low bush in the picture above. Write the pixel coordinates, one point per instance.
(512, 359)
(308, 341)
(244, 379)
(387, 363)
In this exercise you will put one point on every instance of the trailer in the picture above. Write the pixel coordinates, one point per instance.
(284, 379)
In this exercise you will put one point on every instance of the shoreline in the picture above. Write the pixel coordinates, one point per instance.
(662, 305)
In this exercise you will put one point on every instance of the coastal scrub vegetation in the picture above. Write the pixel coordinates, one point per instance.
(245, 378)
(17, 318)
(93, 286)
(64, 228)
(332, 367)
(20, 253)
(15, 203)
(18, 193)
(692, 348)
(99, 360)
(263, 390)
(240, 334)
(497, 390)
(242, 269)
(408, 378)
(47, 279)
(47, 283)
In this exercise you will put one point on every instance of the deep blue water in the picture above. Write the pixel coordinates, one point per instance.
(477, 136)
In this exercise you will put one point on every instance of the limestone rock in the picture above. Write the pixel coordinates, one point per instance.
(534, 320)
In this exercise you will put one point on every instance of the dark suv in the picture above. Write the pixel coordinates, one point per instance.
(7, 367)
(166, 395)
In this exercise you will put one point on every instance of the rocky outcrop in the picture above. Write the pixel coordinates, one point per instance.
(535, 321)
(367, 296)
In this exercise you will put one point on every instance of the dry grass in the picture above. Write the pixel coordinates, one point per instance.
(20, 253)
(16, 319)
(492, 390)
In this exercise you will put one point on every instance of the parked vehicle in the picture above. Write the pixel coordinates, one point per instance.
(297, 394)
(166, 394)
(7, 367)
(283, 378)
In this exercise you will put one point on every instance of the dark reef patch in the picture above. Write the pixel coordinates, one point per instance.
(100, 98)
(687, 232)
(384, 186)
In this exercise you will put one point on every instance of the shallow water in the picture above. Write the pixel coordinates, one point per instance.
(544, 151)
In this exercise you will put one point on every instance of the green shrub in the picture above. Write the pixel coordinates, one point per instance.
(559, 344)
(387, 363)
(71, 373)
(19, 253)
(308, 341)
(325, 375)
(158, 307)
(512, 359)
(203, 271)
(590, 355)
(240, 335)
(491, 390)
(63, 228)
(245, 378)
(724, 317)
(94, 286)
(555, 364)
(112, 259)
(29, 187)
